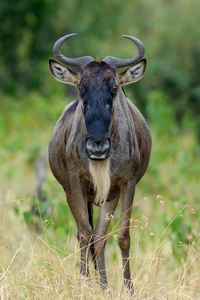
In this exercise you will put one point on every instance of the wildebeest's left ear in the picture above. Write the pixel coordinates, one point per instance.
(63, 74)
(133, 73)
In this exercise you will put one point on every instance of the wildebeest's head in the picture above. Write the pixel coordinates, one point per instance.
(98, 85)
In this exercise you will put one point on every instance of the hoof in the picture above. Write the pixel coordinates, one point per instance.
(85, 281)
(129, 286)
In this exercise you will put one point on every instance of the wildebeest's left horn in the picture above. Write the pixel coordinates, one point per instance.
(115, 62)
(76, 62)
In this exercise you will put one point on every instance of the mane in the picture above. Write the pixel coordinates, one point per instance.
(70, 110)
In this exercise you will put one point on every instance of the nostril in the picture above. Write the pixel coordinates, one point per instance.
(105, 145)
(89, 145)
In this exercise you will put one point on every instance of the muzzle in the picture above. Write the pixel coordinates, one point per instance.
(98, 150)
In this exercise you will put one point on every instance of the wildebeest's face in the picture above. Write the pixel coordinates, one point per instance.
(98, 89)
(98, 86)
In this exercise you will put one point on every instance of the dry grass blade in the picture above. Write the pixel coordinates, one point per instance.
(13, 258)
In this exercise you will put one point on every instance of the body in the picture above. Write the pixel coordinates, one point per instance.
(128, 128)
(99, 151)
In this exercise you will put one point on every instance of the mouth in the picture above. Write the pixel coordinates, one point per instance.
(96, 156)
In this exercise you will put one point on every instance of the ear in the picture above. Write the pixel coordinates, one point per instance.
(133, 74)
(63, 74)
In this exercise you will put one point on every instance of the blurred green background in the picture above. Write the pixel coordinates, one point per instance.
(31, 101)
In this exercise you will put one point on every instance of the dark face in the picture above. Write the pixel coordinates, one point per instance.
(98, 89)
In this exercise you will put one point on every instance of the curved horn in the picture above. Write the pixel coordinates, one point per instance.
(115, 62)
(76, 62)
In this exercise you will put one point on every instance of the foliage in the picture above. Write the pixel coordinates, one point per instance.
(167, 28)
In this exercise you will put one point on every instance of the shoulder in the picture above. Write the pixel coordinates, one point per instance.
(68, 111)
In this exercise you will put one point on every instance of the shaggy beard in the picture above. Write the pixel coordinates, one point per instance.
(100, 175)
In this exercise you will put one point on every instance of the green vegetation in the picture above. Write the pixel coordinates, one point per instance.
(39, 254)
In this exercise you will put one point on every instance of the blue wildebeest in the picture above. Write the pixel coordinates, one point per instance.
(100, 149)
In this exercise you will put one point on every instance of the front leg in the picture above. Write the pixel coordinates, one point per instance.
(78, 206)
(126, 202)
(105, 215)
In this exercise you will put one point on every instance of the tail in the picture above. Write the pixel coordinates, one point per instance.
(90, 214)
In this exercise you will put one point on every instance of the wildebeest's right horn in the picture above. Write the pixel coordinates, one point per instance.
(76, 62)
(115, 62)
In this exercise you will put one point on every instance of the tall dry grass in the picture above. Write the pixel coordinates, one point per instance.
(33, 268)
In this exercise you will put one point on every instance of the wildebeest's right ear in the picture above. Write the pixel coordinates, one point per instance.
(61, 73)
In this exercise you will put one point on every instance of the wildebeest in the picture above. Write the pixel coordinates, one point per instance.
(100, 149)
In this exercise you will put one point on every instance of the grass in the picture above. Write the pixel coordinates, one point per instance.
(34, 266)
(42, 260)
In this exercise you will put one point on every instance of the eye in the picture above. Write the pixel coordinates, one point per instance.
(115, 88)
(80, 88)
